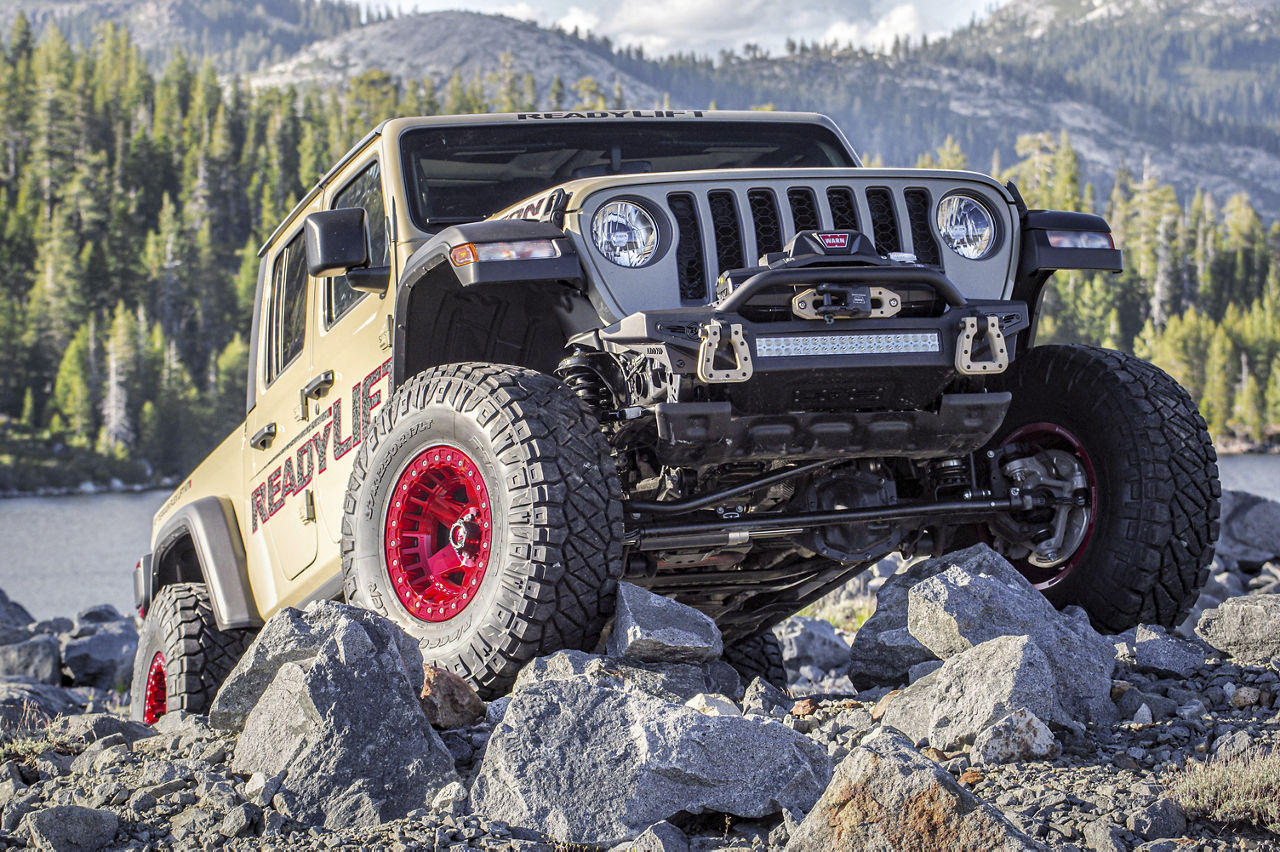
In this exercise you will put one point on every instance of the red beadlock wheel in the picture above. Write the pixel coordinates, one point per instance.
(155, 700)
(439, 533)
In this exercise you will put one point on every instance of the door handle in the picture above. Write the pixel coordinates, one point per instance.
(318, 386)
(314, 389)
(263, 437)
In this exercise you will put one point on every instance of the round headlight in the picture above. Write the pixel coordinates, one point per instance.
(967, 226)
(625, 233)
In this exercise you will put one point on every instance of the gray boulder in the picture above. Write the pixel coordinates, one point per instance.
(811, 642)
(974, 690)
(1018, 737)
(88, 621)
(37, 658)
(966, 605)
(883, 649)
(92, 727)
(1247, 628)
(1156, 651)
(21, 696)
(100, 656)
(885, 795)
(674, 682)
(13, 613)
(591, 764)
(764, 699)
(653, 628)
(345, 729)
(71, 828)
(296, 636)
(1250, 529)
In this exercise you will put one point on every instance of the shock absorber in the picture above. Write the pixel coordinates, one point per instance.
(948, 474)
(587, 384)
(584, 379)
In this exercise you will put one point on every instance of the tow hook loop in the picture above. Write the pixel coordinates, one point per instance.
(712, 333)
(989, 327)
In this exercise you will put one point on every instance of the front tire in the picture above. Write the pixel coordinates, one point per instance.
(183, 657)
(484, 516)
(1153, 476)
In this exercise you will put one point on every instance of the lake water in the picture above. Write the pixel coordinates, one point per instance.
(62, 554)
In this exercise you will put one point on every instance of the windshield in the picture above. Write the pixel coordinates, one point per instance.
(462, 174)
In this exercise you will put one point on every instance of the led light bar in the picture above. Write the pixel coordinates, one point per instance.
(847, 344)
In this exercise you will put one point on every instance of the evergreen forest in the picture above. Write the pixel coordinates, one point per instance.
(133, 202)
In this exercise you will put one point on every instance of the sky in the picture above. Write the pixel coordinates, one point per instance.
(707, 26)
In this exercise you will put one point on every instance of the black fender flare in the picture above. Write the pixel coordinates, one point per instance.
(210, 525)
(433, 260)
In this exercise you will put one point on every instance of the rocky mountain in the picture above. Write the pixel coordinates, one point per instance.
(237, 35)
(436, 45)
(1184, 91)
(898, 106)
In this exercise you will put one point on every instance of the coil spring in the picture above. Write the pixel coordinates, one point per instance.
(949, 473)
(589, 387)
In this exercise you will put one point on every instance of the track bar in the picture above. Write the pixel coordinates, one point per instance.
(743, 530)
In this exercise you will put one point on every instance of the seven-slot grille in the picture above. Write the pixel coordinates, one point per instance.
(729, 227)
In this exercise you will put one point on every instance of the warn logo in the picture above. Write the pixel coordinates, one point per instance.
(834, 241)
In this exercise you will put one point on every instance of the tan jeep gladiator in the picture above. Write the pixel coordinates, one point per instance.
(500, 362)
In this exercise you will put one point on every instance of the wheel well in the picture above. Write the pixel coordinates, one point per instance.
(526, 325)
(176, 561)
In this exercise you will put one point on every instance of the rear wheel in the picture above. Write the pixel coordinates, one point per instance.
(758, 656)
(183, 657)
(484, 517)
(1125, 442)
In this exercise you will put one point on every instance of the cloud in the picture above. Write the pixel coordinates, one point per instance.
(706, 27)
(521, 12)
(904, 20)
(584, 20)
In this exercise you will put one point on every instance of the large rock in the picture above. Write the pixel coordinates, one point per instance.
(296, 636)
(674, 682)
(21, 696)
(810, 642)
(448, 700)
(966, 605)
(37, 658)
(883, 649)
(1156, 651)
(591, 764)
(70, 828)
(653, 628)
(1247, 628)
(976, 689)
(885, 795)
(101, 656)
(1250, 529)
(344, 730)
(13, 613)
(1018, 737)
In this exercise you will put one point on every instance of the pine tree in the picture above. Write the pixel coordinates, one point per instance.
(75, 390)
(1220, 379)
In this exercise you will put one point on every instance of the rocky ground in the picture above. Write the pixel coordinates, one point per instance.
(965, 713)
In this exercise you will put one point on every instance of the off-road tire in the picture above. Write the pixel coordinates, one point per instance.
(198, 656)
(758, 656)
(1156, 479)
(551, 581)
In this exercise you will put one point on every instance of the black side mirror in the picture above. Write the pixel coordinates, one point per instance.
(336, 242)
